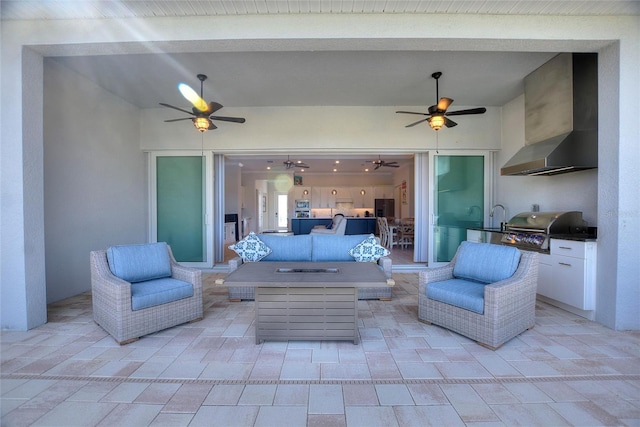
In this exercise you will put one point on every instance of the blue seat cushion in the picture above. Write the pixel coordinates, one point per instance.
(484, 262)
(465, 294)
(159, 291)
(137, 263)
(287, 248)
(328, 247)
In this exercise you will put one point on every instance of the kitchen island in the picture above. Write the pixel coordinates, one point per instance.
(355, 225)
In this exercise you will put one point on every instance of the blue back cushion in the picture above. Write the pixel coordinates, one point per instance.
(486, 263)
(334, 248)
(137, 263)
(287, 248)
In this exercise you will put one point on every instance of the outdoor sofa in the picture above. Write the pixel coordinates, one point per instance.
(309, 248)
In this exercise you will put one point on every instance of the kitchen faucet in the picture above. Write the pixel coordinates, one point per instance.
(503, 224)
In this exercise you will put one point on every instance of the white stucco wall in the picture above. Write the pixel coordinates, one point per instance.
(319, 129)
(95, 178)
(22, 276)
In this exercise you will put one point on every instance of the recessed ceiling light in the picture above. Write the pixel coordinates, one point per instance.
(268, 168)
(337, 161)
(366, 169)
(335, 170)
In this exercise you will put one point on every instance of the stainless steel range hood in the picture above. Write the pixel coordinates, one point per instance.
(561, 118)
(569, 152)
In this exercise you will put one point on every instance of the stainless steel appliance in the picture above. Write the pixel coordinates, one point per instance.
(302, 209)
(532, 230)
(561, 117)
(385, 208)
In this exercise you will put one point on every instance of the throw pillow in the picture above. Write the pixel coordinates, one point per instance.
(251, 248)
(369, 250)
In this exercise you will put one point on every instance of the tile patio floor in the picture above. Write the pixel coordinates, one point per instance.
(565, 371)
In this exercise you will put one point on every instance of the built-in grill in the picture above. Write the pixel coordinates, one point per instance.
(532, 230)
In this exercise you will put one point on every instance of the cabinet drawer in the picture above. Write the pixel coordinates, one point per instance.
(568, 248)
(546, 285)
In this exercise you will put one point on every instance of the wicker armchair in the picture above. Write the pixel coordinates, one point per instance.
(509, 305)
(112, 302)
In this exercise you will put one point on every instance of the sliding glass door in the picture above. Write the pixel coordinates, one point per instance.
(180, 208)
(460, 186)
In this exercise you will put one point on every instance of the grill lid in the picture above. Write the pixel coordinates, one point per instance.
(547, 222)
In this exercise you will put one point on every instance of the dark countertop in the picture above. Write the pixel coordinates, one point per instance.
(490, 229)
(346, 217)
(589, 236)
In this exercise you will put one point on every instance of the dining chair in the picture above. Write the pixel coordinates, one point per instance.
(407, 232)
(383, 229)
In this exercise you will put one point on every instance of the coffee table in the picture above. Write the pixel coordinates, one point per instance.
(307, 300)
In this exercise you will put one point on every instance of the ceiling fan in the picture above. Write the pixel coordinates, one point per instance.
(290, 164)
(438, 113)
(381, 162)
(201, 111)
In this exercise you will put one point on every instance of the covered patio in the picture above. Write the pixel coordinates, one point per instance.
(565, 371)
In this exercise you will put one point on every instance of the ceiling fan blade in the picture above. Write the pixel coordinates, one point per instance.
(449, 123)
(432, 109)
(228, 119)
(389, 165)
(177, 120)
(411, 112)
(415, 123)
(377, 166)
(213, 107)
(444, 103)
(193, 97)
(481, 110)
(176, 108)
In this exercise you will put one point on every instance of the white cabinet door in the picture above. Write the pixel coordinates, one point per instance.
(546, 285)
(299, 193)
(384, 192)
(229, 232)
(360, 200)
(474, 236)
(568, 275)
(328, 198)
(316, 197)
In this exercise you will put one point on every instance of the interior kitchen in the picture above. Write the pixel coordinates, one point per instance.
(353, 186)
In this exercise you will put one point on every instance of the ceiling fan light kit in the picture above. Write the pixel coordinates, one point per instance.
(436, 122)
(202, 123)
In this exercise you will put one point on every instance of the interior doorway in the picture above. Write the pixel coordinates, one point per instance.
(282, 211)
